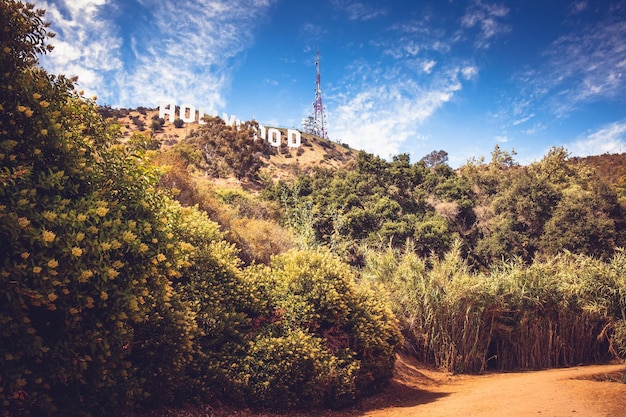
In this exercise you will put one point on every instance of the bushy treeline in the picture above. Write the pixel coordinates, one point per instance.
(498, 210)
(114, 296)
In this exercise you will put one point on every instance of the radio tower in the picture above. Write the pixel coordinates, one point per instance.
(316, 123)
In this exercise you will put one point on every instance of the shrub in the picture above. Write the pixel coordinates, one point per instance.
(87, 311)
(349, 332)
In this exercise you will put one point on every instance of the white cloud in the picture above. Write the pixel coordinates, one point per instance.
(183, 51)
(357, 10)
(578, 7)
(608, 139)
(85, 46)
(381, 116)
(428, 65)
(469, 72)
(583, 66)
(488, 18)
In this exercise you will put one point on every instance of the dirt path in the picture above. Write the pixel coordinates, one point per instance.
(581, 391)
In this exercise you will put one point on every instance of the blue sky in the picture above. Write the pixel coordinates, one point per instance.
(397, 76)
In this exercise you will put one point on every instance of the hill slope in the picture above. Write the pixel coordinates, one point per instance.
(283, 164)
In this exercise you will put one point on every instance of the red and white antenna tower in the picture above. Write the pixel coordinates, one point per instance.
(316, 123)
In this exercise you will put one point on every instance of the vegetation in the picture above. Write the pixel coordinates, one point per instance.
(561, 312)
(115, 296)
(128, 280)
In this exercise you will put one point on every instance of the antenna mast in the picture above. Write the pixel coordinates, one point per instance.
(316, 123)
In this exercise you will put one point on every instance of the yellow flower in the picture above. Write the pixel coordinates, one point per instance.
(89, 303)
(85, 275)
(52, 296)
(160, 257)
(80, 236)
(128, 236)
(6, 49)
(44, 104)
(102, 211)
(143, 247)
(23, 222)
(48, 236)
(115, 244)
(53, 263)
(112, 273)
(21, 109)
(118, 264)
(104, 295)
(170, 235)
(28, 112)
(44, 132)
(25, 255)
(81, 217)
(105, 246)
(36, 96)
(77, 251)
(36, 269)
(49, 215)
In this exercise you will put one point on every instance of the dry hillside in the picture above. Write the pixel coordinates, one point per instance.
(314, 151)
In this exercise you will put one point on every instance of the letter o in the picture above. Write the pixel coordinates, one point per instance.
(274, 137)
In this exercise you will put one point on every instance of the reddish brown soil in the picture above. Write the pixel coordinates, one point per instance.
(416, 390)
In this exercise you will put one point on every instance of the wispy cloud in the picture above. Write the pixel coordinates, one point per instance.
(386, 112)
(356, 10)
(85, 46)
(584, 66)
(488, 18)
(183, 50)
(608, 139)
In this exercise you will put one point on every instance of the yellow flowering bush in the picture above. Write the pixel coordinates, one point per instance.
(88, 324)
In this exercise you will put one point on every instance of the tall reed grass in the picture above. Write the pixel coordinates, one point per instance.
(559, 312)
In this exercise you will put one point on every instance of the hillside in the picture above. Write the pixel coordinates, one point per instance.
(610, 167)
(314, 152)
(284, 164)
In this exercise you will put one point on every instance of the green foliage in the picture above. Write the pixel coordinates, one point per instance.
(334, 340)
(560, 312)
(230, 150)
(87, 308)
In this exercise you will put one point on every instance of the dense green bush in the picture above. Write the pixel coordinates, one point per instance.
(345, 333)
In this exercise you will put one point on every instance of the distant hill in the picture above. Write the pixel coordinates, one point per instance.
(285, 163)
(610, 167)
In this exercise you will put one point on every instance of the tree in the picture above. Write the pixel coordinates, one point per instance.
(435, 158)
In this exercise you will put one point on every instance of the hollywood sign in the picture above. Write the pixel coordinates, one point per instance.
(188, 114)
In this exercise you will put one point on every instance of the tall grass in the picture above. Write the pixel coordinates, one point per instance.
(554, 313)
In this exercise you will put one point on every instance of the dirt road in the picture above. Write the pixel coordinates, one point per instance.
(581, 391)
